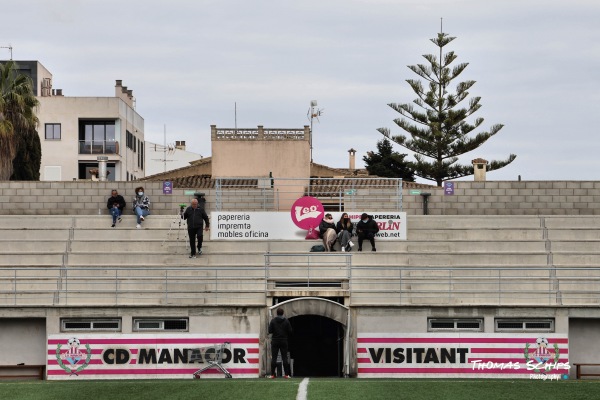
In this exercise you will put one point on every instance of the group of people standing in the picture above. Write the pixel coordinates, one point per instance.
(331, 232)
(141, 206)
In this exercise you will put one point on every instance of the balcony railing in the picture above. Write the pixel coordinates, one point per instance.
(98, 147)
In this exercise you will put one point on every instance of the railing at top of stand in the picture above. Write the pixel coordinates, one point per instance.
(336, 194)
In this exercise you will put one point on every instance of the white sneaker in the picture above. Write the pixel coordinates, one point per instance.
(343, 249)
(138, 226)
(350, 244)
(142, 218)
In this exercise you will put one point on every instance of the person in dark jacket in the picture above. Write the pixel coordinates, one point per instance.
(344, 228)
(116, 204)
(280, 329)
(327, 232)
(366, 228)
(196, 216)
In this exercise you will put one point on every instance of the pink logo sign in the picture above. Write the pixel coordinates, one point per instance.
(307, 212)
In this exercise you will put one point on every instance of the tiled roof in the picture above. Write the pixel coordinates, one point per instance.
(333, 185)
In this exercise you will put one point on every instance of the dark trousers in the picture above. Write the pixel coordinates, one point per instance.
(278, 345)
(193, 233)
(362, 236)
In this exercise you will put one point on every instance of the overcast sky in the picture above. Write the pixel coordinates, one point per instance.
(536, 63)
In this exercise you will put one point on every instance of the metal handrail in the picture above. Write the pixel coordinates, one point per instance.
(364, 285)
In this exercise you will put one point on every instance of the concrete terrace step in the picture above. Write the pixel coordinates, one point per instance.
(474, 222)
(574, 234)
(572, 222)
(34, 235)
(33, 246)
(475, 234)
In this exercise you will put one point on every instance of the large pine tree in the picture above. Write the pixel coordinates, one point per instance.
(438, 124)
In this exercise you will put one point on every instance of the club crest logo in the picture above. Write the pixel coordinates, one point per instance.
(71, 358)
(542, 358)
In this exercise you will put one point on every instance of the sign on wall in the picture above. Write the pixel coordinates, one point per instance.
(528, 356)
(281, 226)
(138, 356)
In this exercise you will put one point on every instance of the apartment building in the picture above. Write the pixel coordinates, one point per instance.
(76, 131)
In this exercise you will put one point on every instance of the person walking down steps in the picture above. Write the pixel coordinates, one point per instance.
(196, 217)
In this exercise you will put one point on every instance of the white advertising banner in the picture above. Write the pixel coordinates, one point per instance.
(280, 226)
(463, 355)
(145, 356)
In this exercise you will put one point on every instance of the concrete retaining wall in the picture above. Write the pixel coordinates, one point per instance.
(469, 198)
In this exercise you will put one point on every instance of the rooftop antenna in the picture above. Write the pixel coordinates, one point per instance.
(313, 113)
(170, 148)
(9, 47)
(235, 114)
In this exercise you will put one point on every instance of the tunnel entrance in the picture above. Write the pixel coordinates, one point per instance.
(319, 344)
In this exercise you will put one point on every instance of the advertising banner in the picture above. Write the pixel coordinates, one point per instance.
(463, 355)
(281, 225)
(151, 356)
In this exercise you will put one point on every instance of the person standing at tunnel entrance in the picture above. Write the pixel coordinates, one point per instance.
(280, 329)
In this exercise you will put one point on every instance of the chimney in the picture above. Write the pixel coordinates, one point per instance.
(352, 153)
(102, 172)
(59, 92)
(130, 94)
(180, 145)
(479, 169)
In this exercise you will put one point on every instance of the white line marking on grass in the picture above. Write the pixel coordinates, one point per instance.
(302, 390)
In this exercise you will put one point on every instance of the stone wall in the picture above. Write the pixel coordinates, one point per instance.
(510, 198)
(469, 198)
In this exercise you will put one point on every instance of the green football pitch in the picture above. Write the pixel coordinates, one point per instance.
(315, 389)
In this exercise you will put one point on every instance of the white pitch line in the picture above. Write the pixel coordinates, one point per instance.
(302, 390)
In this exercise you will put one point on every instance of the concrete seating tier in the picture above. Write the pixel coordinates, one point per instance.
(487, 260)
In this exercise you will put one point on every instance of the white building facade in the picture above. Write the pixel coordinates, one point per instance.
(75, 131)
(161, 158)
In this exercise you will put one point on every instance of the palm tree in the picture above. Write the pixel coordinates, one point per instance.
(17, 113)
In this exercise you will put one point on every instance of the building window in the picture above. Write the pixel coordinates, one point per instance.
(87, 324)
(524, 325)
(455, 325)
(160, 324)
(142, 147)
(97, 137)
(52, 131)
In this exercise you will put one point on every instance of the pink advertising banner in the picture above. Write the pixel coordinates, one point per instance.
(526, 356)
(139, 356)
